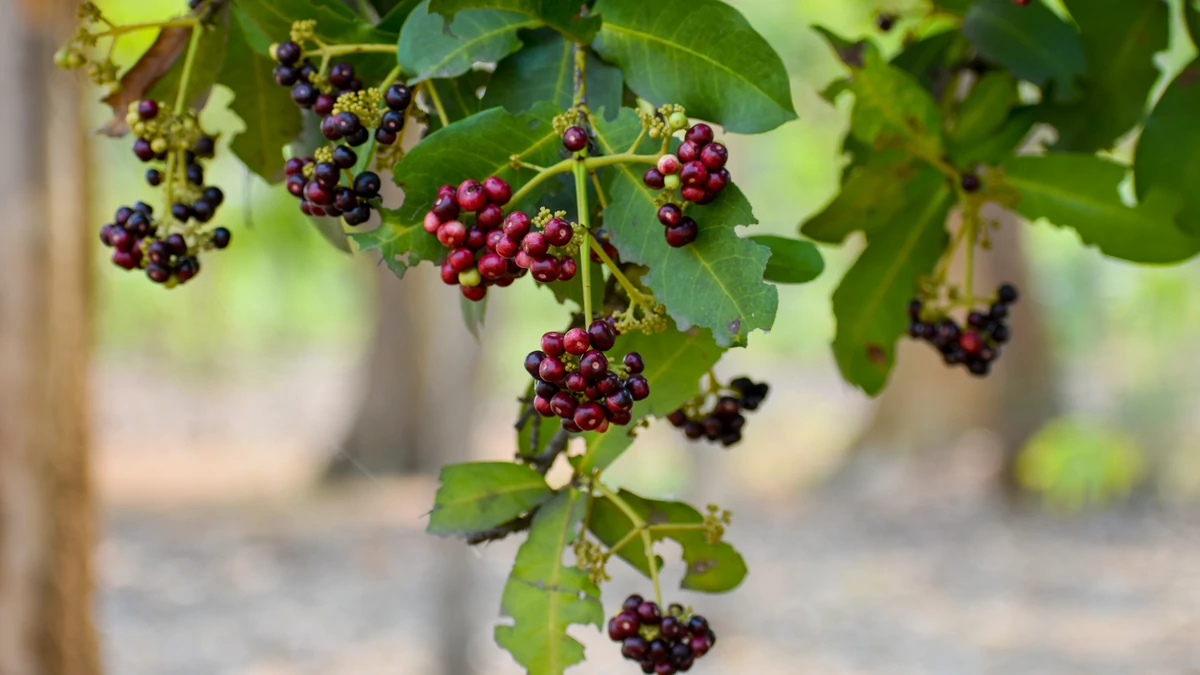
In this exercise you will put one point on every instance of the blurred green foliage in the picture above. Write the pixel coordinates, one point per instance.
(1075, 463)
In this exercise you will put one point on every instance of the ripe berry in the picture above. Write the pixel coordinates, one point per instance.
(295, 185)
(634, 647)
(535, 244)
(545, 269)
(634, 364)
(347, 123)
(601, 335)
(452, 234)
(344, 157)
(329, 129)
(367, 184)
(589, 416)
(577, 341)
(668, 164)
(461, 259)
(638, 387)
(717, 181)
(632, 603)
(317, 193)
(445, 207)
(542, 406)
(489, 217)
(552, 370)
(476, 238)
(693, 174)
(563, 405)
(203, 210)
(359, 137)
(653, 179)
(471, 196)
(147, 109)
(688, 152)
(214, 196)
(558, 232)
(154, 177)
(971, 182)
(341, 75)
(516, 226)
(508, 248)
(683, 234)
(1007, 294)
(143, 150)
(294, 166)
(392, 122)
(552, 343)
(221, 237)
(714, 156)
(398, 97)
(700, 134)
(533, 361)
(304, 95)
(575, 139)
(620, 401)
(195, 174)
(385, 137)
(327, 174)
(358, 215)
(324, 104)
(593, 364)
(287, 53)
(567, 268)
(285, 76)
(885, 22)
(499, 192)
(473, 293)
(669, 214)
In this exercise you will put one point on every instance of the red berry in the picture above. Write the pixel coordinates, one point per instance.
(668, 164)
(619, 402)
(683, 234)
(971, 342)
(473, 293)
(638, 387)
(589, 416)
(602, 335)
(545, 269)
(714, 155)
(295, 185)
(633, 646)
(700, 134)
(558, 232)
(532, 362)
(452, 234)
(492, 266)
(449, 274)
(577, 342)
(490, 217)
(552, 343)
(576, 382)
(471, 196)
(632, 603)
(693, 174)
(507, 247)
(542, 406)
(688, 152)
(293, 166)
(567, 269)
(593, 364)
(552, 370)
(693, 194)
(523, 260)
(669, 214)
(318, 194)
(717, 180)
(499, 192)
(516, 226)
(653, 179)
(700, 644)
(446, 206)
(476, 238)
(535, 244)
(563, 405)
(634, 364)
(493, 238)
(147, 109)
(650, 615)
(461, 259)
(575, 139)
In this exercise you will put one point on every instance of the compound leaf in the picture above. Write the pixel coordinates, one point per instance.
(272, 120)
(702, 54)
(711, 568)
(401, 242)
(478, 496)
(1081, 192)
(426, 50)
(561, 15)
(870, 302)
(544, 70)
(1032, 42)
(479, 146)
(544, 596)
(715, 282)
(1168, 153)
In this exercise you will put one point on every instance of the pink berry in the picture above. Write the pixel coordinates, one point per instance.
(668, 164)
(577, 341)
(432, 222)
(452, 234)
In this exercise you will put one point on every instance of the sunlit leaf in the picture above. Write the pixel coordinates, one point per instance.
(477, 496)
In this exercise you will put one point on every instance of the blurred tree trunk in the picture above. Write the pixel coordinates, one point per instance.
(928, 406)
(46, 516)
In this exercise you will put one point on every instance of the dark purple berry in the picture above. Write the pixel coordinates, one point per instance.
(575, 139)
(221, 237)
(367, 184)
(392, 121)
(398, 97)
(304, 95)
(147, 109)
(653, 179)
(287, 53)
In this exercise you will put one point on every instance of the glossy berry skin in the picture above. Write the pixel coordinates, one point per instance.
(632, 603)
(589, 416)
(461, 259)
(638, 387)
(392, 121)
(141, 148)
(669, 214)
(622, 627)
(397, 97)
(563, 405)
(552, 343)
(471, 196)
(533, 361)
(317, 193)
(341, 75)
(693, 174)
(668, 164)
(649, 614)
(499, 192)
(545, 269)
(714, 156)
(552, 370)
(634, 364)
(359, 137)
(473, 293)
(516, 226)
(324, 104)
(304, 95)
(326, 174)
(575, 139)
(601, 335)
(221, 237)
(294, 166)
(329, 129)
(445, 207)
(203, 210)
(288, 53)
(717, 181)
(577, 342)
(358, 215)
(700, 134)
(489, 217)
(177, 245)
(147, 109)
(683, 234)
(653, 178)
(452, 234)
(688, 152)
(567, 269)
(385, 137)
(558, 232)
(344, 157)
(535, 245)
(285, 76)
(971, 183)
(593, 364)
(367, 184)
(633, 647)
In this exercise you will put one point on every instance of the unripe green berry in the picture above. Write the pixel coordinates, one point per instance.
(62, 58)
(133, 118)
(470, 278)
(75, 60)
(273, 50)
(159, 145)
(678, 121)
(671, 182)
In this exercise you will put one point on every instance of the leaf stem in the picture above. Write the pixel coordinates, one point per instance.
(639, 526)
(599, 191)
(437, 104)
(635, 296)
(585, 260)
(562, 167)
(188, 63)
(129, 28)
(327, 51)
(970, 225)
(622, 158)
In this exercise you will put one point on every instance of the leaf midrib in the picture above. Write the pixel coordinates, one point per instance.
(513, 27)
(508, 490)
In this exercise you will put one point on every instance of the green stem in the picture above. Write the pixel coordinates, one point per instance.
(541, 176)
(585, 260)
(682, 527)
(639, 525)
(633, 534)
(342, 50)
(580, 75)
(188, 63)
(635, 296)
(121, 30)
(170, 183)
(971, 226)
(387, 82)
(437, 103)
(623, 158)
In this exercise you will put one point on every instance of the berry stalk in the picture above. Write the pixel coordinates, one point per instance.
(188, 63)
(639, 525)
(117, 31)
(585, 261)
(437, 104)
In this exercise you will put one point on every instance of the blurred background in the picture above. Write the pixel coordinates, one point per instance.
(265, 441)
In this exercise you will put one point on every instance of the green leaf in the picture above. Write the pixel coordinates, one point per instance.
(336, 24)
(931, 59)
(473, 314)
(209, 60)
(871, 195)
(393, 20)
(870, 302)
(478, 496)
(711, 568)
(792, 261)
(701, 54)
(1191, 15)
(1168, 153)
(1120, 39)
(561, 15)
(715, 282)
(272, 120)
(459, 96)
(401, 242)
(893, 110)
(544, 597)
(1000, 144)
(477, 147)
(544, 71)
(986, 108)
(427, 51)
(675, 362)
(1032, 42)
(1081, 192)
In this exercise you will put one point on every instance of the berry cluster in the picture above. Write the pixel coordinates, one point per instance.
(978, 345)
(697, 170)
(168, 257)
(496, 249)
(573, 379)
(663, 645)
(724, 421)
(349, 113)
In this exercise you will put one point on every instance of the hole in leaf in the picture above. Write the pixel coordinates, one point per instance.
(735, 326)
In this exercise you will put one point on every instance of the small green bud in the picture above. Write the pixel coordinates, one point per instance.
(159, 145)
(671, 181)
(75, 60)
(470, 278)
(678, 121)
(273, 50)
(132, 118)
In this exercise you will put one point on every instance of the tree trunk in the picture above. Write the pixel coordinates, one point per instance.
(46, 516)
